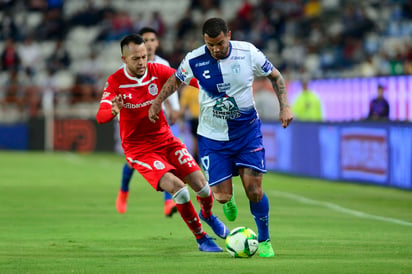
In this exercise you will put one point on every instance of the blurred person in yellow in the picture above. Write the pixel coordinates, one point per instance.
(307, 105)
(189, 110)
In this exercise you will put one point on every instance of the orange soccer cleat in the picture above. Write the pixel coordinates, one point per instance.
(121, 201)
(170, 208)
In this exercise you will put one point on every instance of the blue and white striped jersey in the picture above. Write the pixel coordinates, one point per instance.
(227, 109)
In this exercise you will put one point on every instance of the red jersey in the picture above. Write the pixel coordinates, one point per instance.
(136, 130)
(149, 147)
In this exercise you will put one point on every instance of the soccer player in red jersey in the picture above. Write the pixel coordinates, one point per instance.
(171, 106)
(150, 148)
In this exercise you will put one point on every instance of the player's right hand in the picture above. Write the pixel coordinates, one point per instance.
(117, 104)
(285, 116)
(154, 111)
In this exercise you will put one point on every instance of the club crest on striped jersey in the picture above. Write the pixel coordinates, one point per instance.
(153, 90)
(236, 68)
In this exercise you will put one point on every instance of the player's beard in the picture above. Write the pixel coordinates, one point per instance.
(221, 54)
(138, 72)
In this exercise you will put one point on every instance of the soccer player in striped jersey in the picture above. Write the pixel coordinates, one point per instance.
(161, 158)
(230, 138)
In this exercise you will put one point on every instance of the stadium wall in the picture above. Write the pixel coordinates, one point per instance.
(363, 152)
(348, 99)
(79, 135)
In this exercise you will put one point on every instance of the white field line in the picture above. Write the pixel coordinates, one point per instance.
(338, 208)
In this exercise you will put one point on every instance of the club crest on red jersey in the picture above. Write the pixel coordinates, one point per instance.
(158, 165)
(153, 90)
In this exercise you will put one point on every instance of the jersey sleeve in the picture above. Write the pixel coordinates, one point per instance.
(184, 72)
(104, 114)
(261, 64)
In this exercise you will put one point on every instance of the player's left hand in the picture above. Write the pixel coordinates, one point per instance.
(285, 116)
(154, 111)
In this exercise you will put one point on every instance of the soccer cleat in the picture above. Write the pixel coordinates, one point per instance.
(170, 208)
(218, 227)
(230, 209)
(207, 244)
(265, 249)
(121, 201)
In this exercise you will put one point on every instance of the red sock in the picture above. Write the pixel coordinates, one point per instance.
(189, 215)
(206, 204)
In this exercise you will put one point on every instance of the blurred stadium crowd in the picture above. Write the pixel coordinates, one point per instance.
(67, 48)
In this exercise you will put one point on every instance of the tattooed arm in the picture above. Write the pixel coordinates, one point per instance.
(278, 83)
(172, 84)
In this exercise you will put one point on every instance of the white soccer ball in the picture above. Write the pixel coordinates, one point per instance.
(242, 242)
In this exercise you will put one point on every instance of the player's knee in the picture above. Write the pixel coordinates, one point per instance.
(204, 192)
(222, 197)
(255, 195)
(182, 196)
(196, 180)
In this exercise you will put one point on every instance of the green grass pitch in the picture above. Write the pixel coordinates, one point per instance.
(57, 215)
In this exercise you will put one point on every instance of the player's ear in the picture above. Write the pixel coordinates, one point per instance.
(123, 59)
(229, 34)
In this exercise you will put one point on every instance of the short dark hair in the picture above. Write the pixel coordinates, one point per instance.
(214, 26)
(147, 30)
(134, 38)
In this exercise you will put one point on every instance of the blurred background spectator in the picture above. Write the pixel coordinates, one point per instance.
(307, 105)
(379, 106)
(313, 39)
(10, 58)
(30, 54)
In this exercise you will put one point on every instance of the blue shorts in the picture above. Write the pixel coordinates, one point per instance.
(221, 159)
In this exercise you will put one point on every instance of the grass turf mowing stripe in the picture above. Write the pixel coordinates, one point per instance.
(338, 208)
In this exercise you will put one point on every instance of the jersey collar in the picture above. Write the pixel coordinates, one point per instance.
(139, 80)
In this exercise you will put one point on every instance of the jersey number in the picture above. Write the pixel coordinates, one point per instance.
(183, 156)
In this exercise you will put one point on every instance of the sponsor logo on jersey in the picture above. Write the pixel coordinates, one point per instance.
(153, 90)
(127, 96)
(206, 74)
(201, 64)
(181, 73)
(237, 57)
(134, 106)
(105, 94)
(223, 87)
(226, 108)
(267, 66)
(158, 165)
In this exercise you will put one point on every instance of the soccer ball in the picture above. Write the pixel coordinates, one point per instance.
(242, 242)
